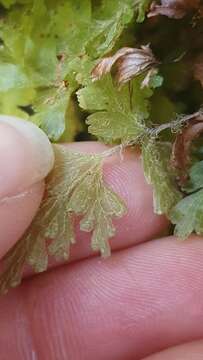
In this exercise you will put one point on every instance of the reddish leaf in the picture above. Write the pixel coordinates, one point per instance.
(180, 158)
(176, 9)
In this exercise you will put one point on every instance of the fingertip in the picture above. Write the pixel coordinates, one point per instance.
(26, 155)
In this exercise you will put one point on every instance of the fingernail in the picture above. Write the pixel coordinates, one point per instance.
(26, 155)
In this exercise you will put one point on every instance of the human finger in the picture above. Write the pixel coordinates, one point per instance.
(138, 302)
(26, 157)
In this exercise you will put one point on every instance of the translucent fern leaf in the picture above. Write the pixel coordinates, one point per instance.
(141, 7)
(97, 204)
(117, 114)
(74, 187)
(187, 215)
(158, 174)
(195, 181)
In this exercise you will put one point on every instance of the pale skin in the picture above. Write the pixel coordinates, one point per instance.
(146, 298)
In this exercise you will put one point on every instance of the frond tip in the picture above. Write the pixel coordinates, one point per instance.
(74, 187)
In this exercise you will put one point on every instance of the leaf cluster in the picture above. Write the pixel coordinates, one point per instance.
(109, 70)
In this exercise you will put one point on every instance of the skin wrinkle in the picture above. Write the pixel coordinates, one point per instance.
(16, 214)
(23, 194)
(29, 325)
(29, 310)
(22, 342)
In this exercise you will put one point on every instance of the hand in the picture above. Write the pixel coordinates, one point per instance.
(147, 297)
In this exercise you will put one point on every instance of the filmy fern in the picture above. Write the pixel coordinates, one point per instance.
(74, 187)
(86, 69)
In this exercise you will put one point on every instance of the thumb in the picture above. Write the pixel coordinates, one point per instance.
(26, 157)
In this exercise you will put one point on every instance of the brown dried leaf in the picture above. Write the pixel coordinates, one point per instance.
(176, 9)
(129, 63)
(104, 66)
(180, 158)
